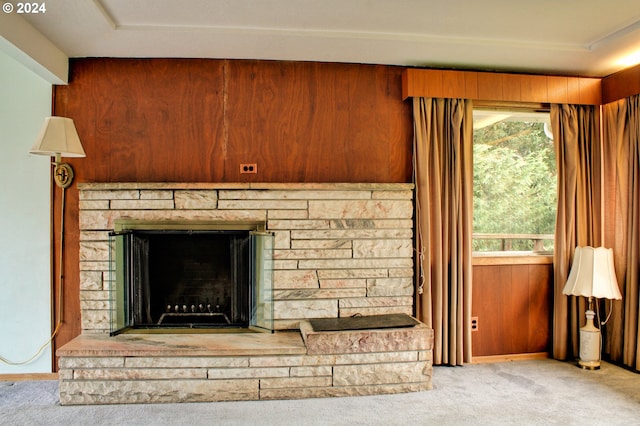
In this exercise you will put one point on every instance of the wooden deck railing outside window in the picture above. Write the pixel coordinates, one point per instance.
(542, 243)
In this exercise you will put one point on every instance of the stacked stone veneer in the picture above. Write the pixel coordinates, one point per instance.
(134, 368)
(340, 249)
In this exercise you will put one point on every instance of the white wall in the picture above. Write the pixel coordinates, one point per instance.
(25, 294)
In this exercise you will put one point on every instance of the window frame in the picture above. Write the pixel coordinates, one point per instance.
(511, 257)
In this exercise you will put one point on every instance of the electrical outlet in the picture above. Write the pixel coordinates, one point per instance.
(248, 168)
(474, 323)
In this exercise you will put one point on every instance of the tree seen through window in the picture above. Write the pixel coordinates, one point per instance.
(515, 181)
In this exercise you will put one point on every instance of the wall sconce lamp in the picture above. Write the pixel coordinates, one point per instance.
(593, 276)
(58, 138)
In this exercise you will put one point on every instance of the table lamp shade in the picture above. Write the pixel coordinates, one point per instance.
(593, 274)
(58, 136)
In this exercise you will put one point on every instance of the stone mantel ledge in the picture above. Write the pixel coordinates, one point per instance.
(343, 186)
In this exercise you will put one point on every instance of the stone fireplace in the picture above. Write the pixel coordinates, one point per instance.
(335, 251)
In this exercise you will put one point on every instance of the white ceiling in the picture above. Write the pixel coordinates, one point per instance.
(575, 37)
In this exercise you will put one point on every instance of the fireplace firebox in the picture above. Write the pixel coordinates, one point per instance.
(170, 275)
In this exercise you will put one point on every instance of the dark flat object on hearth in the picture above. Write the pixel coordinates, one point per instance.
(363, 322)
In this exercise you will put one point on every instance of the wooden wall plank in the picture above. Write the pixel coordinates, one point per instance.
(273, 122)
(484, 341)
(393, 127)
(70, 316)
(540, 284)
(513, 306)
(147, 120)
(519, 309)
(492, 289)
(364, 120)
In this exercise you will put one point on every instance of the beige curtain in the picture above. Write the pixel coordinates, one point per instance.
(443, 156)
(622, 162)
(578, 156)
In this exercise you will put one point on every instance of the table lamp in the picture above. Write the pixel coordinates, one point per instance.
(593, 276)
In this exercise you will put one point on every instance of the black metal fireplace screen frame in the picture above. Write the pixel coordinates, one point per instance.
(128, 288)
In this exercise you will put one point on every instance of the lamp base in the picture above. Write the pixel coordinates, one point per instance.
(589, 365)
(589, 344)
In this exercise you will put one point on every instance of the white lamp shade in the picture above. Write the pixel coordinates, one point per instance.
(593, 274)
(58, 136)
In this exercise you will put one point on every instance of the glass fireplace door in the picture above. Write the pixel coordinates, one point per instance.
(262, 281)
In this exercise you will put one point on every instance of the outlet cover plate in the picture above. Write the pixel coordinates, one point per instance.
(248, 168)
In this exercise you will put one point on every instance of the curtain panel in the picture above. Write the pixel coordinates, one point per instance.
(576, 133)
(443, 169)
(622, 228)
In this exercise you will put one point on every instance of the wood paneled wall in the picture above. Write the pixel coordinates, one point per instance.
(621, 85)
(513, 306)
(197, 120)
(190, 120)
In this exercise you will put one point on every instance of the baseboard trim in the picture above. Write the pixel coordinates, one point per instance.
(508, 358)
(28, 376)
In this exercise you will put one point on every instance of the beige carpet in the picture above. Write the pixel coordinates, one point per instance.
(537, 392)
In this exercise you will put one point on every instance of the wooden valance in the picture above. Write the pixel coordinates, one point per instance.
(501, 87)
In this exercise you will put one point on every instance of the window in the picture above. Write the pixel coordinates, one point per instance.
(515, 182)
